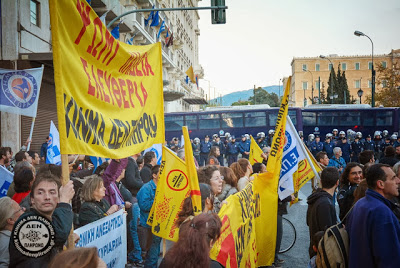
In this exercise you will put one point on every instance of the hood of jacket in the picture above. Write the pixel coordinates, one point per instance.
(316, 195)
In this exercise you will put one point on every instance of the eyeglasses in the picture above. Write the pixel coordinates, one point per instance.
(20, 209)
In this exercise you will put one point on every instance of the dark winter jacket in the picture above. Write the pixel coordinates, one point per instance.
(145, 173)
(321, 214)
(132, 181)
(346, 198)
(93, 211)
(374, 233)
(61, 222)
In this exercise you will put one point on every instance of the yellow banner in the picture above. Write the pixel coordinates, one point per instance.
(109, 94)
(192, 173)
(236, 246)
(255, 152)
(172, 189)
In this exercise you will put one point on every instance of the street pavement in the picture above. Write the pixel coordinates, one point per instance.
(297, 256)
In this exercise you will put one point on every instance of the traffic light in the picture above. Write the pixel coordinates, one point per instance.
(218, 16)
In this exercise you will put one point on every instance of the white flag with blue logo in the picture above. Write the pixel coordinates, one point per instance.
(97, 161)
(292, 155)
(53, 146)
(157, 149)
(19, 91)
(6, 178)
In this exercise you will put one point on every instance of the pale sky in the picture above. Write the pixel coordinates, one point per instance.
(261, 37)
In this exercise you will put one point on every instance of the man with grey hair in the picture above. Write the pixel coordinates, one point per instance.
(10, 211)
(337, 160)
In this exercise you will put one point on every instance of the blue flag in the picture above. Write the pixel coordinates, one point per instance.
(6, 178)
(151, 16)
(97, 161)
(162, 29)
(53, 146)
(115, 32)
(89, 2)
(156, 20)
(130, 41)
(187, 79)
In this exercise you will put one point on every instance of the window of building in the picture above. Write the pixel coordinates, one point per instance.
(35, 7)
(357, 66)
(357, 84)
(369, 83)
(317, 85)
(305, 84)
(317, 67)
(384, 64)
(370, 65)
(384, 83)
(304, 67)
(330, 66)
(344, 66)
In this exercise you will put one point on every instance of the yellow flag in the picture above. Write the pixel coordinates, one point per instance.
(172, 189)
(192, 172)
(304, 173)
(266, 233)
(190, 74)
(255, 152)
(106, 90)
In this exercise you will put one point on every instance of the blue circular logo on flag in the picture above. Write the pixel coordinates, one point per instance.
(288, 141)
(20, 88)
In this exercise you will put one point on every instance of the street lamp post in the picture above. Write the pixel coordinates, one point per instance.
(279, 89)
(360, 93)
(358, 33)
(312, 85)
(324, 57)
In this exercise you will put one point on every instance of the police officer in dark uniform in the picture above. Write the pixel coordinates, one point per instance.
(244, 147)
(346, 149)
(386, 143)
(368, 144)
(328, 147)
(316, 146)
(232, 150)
(205, 147)
(356, 149)
(196, 149)
(378, 153)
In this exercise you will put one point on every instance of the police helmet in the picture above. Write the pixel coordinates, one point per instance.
(262, 134)
(342, 133)
(247, 136)
(394, 137)
(227, 135)
(359, 134)
(334, 130)
(329, 135)
(215, 136)
(385, 132)
(196, 140)
(377, 133)
(311, 137)
(271, 131)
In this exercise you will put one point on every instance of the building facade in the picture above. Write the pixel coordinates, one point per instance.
(309, 75)
(26, 43)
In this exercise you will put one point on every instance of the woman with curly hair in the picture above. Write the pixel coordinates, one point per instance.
(196, 238)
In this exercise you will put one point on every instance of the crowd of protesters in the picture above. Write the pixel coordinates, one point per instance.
(223, 170)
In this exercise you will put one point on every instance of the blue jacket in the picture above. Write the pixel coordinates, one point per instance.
(145, 198)
(334, 162)
(374, 233)
(316, 147)
(346, 151)
(232, 149)
(244, 146)
(328, 148)
(369, 145)
(205, 147)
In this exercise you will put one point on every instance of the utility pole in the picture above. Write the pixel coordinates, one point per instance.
(254, 93)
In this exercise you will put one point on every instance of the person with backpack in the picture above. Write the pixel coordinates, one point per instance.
(373, 229)
(321, 212)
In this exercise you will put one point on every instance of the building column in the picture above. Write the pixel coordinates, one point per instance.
(11, 131)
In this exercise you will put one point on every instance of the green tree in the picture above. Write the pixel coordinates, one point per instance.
(331, 86)
(342, 88)
(240, 102)
(261, 96)
(323, 100)
(389, 78)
